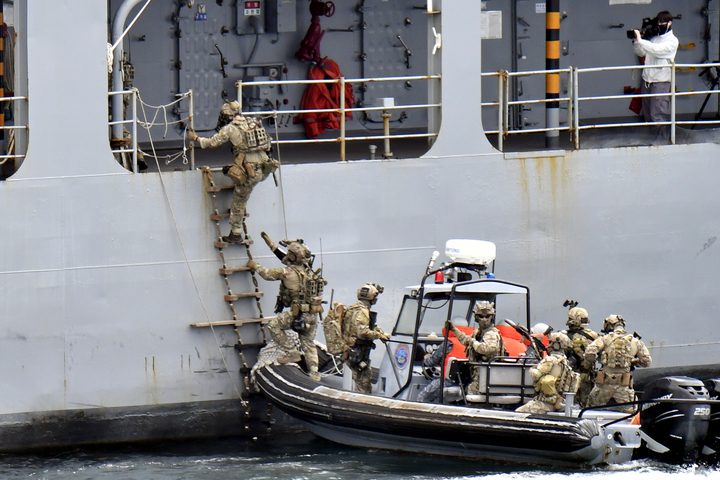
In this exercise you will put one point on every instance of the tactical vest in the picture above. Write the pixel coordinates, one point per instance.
(618, 353)
(253, 136)
(312, 286)
(473, 356)
(308, 298)
(580, 340)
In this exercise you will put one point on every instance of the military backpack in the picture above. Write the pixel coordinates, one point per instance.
(332, 326)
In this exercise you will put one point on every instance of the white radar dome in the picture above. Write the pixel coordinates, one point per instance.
(471, 252)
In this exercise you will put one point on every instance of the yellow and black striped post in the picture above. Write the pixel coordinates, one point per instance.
(552, 80)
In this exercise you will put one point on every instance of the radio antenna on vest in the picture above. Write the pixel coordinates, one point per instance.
(321, 256)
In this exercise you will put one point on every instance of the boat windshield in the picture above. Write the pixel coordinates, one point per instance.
(511, 303)
(434, 314)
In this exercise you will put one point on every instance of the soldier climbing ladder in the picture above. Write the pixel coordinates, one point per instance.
(217, 215)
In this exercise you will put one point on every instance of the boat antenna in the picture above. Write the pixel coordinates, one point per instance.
(431, 263)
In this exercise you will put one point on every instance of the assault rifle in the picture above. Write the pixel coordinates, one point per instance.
(534, 341)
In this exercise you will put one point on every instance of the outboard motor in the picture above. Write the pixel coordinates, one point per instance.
(713, 435)
(681, 427)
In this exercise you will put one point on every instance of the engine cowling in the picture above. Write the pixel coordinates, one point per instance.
(681, 427)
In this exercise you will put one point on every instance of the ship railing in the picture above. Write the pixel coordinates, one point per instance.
(10, 145)
(572, 100)
(342, 111)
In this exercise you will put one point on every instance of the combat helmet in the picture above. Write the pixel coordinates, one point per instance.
(297, 254)
(227, 113)
(484, 312)
(230, 109)
(612, 322)
(577, 318)
(558, 342)
(369, 292)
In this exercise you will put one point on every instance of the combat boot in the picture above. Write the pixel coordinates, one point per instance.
(237, 239)
(293, 356)
(314, 374)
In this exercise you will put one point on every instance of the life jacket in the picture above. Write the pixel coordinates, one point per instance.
(458, 349)
(322, 96)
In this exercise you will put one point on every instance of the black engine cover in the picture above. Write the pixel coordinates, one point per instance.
(681, 427)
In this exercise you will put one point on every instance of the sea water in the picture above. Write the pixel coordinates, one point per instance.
(299, 457)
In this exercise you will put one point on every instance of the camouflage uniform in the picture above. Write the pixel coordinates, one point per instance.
(485, 344)
(304, 308)
(581, 336)
(252, 164)
(552, 377)
(359, 335)
(619, 351)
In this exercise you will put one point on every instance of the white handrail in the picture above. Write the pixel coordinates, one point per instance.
(573, 98)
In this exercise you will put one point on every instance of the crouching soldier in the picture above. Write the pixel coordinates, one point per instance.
(553, 377)
(619, 353)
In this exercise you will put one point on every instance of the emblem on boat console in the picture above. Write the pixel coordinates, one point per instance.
(401, 356)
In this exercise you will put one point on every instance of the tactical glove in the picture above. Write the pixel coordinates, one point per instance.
(252, 264)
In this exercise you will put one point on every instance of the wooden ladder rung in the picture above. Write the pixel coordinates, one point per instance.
(235, 296)
(230, 271)
(235, 323)
(219, 188)
(241, 346)
(219, 216)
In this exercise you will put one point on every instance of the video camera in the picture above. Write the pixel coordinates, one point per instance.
(648, 30)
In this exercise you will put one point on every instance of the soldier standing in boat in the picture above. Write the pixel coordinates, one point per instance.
(619, 353)
(250, 144)
(301, 291)
(359, 331)
(581, 336)
(484, 344)
(553, 377)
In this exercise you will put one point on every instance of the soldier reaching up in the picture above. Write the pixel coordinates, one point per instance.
(252, 164)
(301, 291)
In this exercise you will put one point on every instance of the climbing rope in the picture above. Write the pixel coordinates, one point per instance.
(166, 122)
(282, 191)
